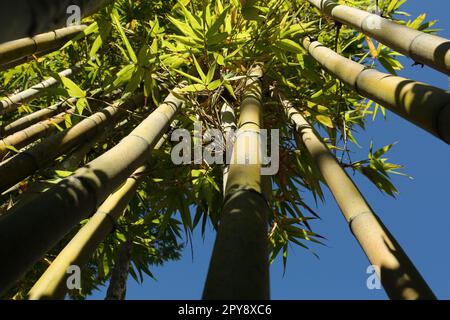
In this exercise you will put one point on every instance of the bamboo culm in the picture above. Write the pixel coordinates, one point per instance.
(28, 231)
(35, 117)
(13, 102)
(52, 284)
(399, 277)
(25, 163)
(23, 18)
(422, 47)
(239, 267)
(13, 51)
(426, 106)
(29, 135)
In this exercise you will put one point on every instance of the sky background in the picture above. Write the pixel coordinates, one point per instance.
(419, 218)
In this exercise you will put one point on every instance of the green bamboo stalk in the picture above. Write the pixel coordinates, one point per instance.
(28, 231)
(35, 117)
(24, 164)
(228, 122)
(31, 134)
(23, 18)
(426, 106)
(13, 52)
(52, 284)
(13, 102)
(239, 267)
(425, 48)
(399, 277)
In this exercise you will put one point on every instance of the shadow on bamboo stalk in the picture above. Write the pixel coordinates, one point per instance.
(28, 231)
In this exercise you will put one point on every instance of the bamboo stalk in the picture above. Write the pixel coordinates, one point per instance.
(26, 163)
(28, 231)
(26, 136)
(422, 47)
(399, 277)
(35, 117)
(13, 102)
(426, 106)
(228, 120)
(52, 284)
(13, 51)
(23, 18)
(239, 267)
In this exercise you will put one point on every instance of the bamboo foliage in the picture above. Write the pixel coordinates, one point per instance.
(77, 196)
(428, 49)
(13, 51)
(239, 266)
(52, 284)
(26, 136)
(397, 273)
(25, 163)
(35, 117)
(22, 18)
(13, 102)
(426, 106)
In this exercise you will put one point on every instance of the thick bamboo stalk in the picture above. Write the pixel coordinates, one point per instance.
(426, 106)
(13, 102)
(426, 48)
(239, 267)
(27, 162)
(37, 131)
(399, 277)
(16, 50)
(24, 18)
(35, 117)
(52, 284)
(28, 231)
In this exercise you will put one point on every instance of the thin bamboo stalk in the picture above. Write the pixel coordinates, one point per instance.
(426, 106)
(27, 162)
(239, 267)
(52, 284)
(28, 231)
(228, 121)
(37, 131)
(23, 18)
(426, 48)
(35, 117)
(13, 102)
(399, 277)
(16, 50)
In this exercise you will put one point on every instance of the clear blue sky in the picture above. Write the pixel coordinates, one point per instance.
(419, 218)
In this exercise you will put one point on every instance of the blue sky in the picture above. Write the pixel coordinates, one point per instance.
(419, 218)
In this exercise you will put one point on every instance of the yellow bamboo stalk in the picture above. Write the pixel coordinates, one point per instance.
(399, 277)
(52, 284)
(426, 48)
(239, 267)
(426, 106)
(14, 51)
(29, 230)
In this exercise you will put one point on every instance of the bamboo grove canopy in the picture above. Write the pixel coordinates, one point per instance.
(91, 116)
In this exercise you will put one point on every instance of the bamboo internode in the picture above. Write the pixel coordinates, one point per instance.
(26, 163)
(23, 18)
(52, 284)
(13, 102)
(399, 277)
(239, 267)
(428, 49)
(29, 230)
(13, 52)
(35, 117)
(26, 136)
(426, 106)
